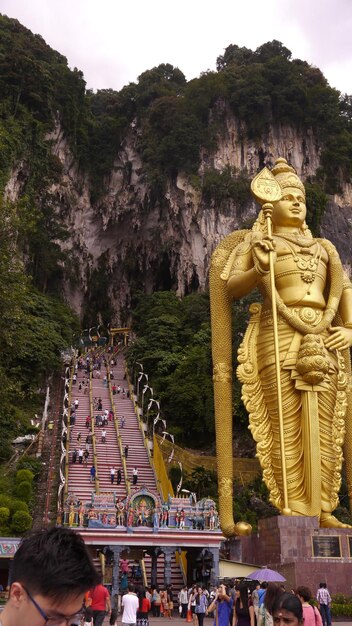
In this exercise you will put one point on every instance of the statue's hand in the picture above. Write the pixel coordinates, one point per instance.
(260, 251)
(339, 339)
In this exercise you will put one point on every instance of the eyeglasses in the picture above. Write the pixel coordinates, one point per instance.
(55, 621)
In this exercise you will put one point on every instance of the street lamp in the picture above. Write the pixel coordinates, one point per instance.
(150, 403)
(141, 375)
(145, 388)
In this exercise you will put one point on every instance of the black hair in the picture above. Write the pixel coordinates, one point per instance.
(304, 592)
(141, 595)
(54, 563)
(272, 592)
(289, 602)
(131, 587)
(243, 589)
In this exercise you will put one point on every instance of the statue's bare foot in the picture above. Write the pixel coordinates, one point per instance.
(330, 521)
(243, 529)
(232, 530)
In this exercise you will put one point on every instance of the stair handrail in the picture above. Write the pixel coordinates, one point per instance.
(97, 488)
(73, 369)
(164, 482)
(137, 413)
(64, 431)
(146, 439)
(181, 561)
(144, 573)
(118, 435)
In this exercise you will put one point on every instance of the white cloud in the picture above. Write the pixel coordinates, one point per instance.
(113, 42)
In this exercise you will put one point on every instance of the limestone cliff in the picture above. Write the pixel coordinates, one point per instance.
(142, 243)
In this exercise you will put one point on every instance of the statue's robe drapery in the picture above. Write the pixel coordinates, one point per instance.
(313, 415)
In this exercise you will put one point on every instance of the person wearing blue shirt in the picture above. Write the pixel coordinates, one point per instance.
(222, 606)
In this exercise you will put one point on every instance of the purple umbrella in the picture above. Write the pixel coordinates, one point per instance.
(267, 575)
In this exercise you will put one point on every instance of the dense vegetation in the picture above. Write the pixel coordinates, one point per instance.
(173, 344)
(34, 328)
(35, 325)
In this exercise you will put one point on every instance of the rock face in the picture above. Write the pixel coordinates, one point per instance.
(137, 242)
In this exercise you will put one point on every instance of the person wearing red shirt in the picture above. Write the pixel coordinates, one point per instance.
(143, 609)
(99, 603)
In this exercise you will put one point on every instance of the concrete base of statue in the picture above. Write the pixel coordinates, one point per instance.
(302, 552)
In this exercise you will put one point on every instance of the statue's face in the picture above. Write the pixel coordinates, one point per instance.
(291, 210)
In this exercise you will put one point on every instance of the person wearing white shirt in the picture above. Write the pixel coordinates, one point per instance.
(130, 605)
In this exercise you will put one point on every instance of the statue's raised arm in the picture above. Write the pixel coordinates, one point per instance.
(313, 331)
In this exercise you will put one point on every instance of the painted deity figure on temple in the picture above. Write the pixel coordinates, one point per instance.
(81, 512)
(130, 517)
(156, 521)
(120, 512)
(182, 515)
(312, 298)
(212, 518)
(165, 516)
(72, 515)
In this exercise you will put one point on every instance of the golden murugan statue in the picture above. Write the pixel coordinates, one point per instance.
(297, 342)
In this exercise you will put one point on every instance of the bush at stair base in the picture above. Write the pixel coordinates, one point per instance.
(21, 522)
(4, 516)
(13, 505)
(24, 475)
(23, 491)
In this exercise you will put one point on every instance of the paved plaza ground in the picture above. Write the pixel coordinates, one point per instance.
(177, 621)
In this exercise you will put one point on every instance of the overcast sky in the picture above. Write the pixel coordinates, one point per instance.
(113, 41)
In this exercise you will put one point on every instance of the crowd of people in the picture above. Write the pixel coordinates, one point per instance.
(268, 605)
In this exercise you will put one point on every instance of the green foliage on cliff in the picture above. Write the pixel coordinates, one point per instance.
(36, 89)
(174, 346)
(219, 188)
(34, 327)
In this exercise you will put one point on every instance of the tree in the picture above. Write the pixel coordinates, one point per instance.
(24, 475)
(21, 522)
(4, 516)
(23, 491)
(234, 55)
(272, 49)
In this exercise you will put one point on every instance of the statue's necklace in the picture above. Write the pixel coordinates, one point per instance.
(307, 266)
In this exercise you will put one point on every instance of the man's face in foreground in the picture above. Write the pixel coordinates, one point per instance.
(38, 610)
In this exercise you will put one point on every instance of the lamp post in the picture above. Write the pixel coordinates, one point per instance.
(145, 388)
(90, 335)
(141, 375)
(135, 383)
(155, 420)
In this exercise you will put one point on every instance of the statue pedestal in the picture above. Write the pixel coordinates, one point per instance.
(302, 552)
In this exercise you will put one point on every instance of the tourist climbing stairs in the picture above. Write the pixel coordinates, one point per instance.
(92, 384)
(108, 452)
(131, 434)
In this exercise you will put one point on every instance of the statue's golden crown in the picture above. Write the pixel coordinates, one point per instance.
(286, 175)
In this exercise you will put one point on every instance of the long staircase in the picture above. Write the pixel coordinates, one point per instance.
(108, 453)
(130, 433)
(79, 482)
(90, 386)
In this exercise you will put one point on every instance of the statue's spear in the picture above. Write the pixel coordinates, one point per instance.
(267, 190)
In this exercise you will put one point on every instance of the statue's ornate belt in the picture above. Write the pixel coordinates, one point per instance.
(307, 314)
